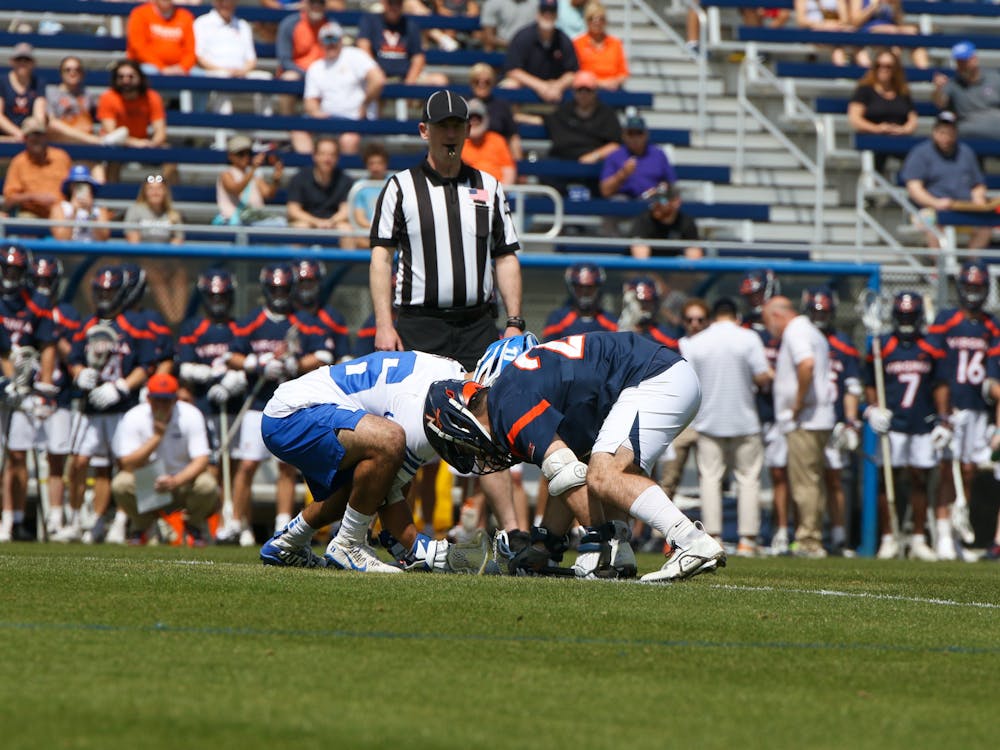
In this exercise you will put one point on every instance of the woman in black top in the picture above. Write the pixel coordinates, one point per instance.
(881, 103)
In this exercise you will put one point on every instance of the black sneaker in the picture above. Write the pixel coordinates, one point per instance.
(20, 533)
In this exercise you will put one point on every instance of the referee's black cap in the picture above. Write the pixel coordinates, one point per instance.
(443, 104)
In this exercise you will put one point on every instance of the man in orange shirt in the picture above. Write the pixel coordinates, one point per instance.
(132, 104)
(485, 149)
(35, 176)
(160, 37)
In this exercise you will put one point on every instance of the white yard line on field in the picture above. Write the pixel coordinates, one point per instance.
(862, 595)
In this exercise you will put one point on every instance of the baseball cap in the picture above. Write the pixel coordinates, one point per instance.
(443, 104)
(662, 193)
(330, 32)
(963, 51)
(635, 123)
(476, 107)
(584, 79)
(23, 49)
(548, 6)
(946, 118)
(32, 125)
(162, 385)
(238, 143)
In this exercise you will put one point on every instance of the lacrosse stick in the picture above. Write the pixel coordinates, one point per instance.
(873, 307)
(25, 361)
(100, 344)
(227, 482)
(960, 508)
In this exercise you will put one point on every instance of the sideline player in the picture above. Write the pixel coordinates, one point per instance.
(583, 312)
(614, 399)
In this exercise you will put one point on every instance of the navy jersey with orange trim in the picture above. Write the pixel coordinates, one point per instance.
(765, 399)
(364, 342)
(845, 366)
(567, 387)
(152, 321)
(338, 342)
(135, 348)
(207, 342)
(65, 323)
(912, 368)
(566, 321)
(664, 335)
(966, 342)
(27, 323)
(263, 333)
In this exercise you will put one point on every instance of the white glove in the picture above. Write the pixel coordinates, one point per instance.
(193, 372)
(86, 379)
(107, 395)
(291, 365)
(234, 381)
(879, 419)
(844, 437)
(41, 407)
(274, 369)
(12, 397)
(941, 436)
(218, 394)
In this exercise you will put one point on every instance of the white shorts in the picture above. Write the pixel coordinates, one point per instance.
(905, 449)
(970, 445)
(52, 434)
(775, 446)
(663, 406)
(93, 435)
(250, 446)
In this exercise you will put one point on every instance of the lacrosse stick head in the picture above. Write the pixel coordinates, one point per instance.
(819, 303)
(584, 282)
(25, 362)
(100, 345)
(309, 276)
(973, 283)
(642, 292)
(757, 287)
(45, 274)
(873, 308)
(908, 314)
(277, 282)
(134, 285)
(108, 291)
(217, 288)
(14, 264)
(293, 342)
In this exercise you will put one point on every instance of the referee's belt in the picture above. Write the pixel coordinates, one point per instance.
(451, 314)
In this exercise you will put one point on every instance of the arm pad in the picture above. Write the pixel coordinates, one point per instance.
(564, 471)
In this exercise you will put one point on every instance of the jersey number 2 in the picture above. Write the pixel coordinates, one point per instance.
(570, 347)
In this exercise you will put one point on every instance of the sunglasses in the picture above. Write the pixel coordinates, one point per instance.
(599, 19)
(127, 77)
(584, 89)
(890, 65)
(481, 82)
(694, 320)
(72, 69)
(24, 60)
(154, 179)
(244, 152)
(635, 133)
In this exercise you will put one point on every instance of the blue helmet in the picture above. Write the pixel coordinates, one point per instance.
(135, 285)
(584, 282)
(973, 285)
(820, 304)
(908, 314)
(277, 280)
(499, 354)
(45, 273)
(757, 287)
(14, 268)
(108, 290)
(217, 288)
(454, 432)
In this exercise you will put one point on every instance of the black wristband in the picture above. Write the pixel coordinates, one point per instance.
(516, 321)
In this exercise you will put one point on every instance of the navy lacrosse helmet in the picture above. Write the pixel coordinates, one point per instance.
(973, 285)
(499, 354)
(108, 290)
(278, 283)
(217, 288)
(45, 273)
(309, 276)
(135, 285)
(584, 282)
(455, 433)
(820, 304)
(647, 295)
(908, 314)
(757, 287)
(14, 264)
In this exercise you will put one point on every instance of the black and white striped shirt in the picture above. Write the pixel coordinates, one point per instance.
(446, 233)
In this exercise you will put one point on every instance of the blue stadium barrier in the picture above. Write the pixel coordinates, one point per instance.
(832, 106)
(571, 169)
(969, 218)
(913, 7)
(626, 209)
(862, 39)
(901, 144)
(853, 72)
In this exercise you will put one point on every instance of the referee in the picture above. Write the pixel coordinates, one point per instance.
(450, 225)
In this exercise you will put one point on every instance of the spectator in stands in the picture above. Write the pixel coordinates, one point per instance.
(939, 171)
(600, 52)
(636, 167)
(160, 37)
(773, 18)
(487, 150)
(502, 19)
(584, 129)
(973, 94)
(240, 191)
(297, 48)
(20, 93)
(482, 79)
(70, 110)
(570, 18)
(317, 197)
(393, 40)
(376, 159)
(224, 48)
(33, 184)
(540, 57)
(345, 83)
(453, 9)
(881, 102)
(154, 210)
(78, 206)
(886, 17)
(825, 15)
(131, 103)
(664, 220)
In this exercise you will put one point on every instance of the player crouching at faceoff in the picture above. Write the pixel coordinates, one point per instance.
(616, 400)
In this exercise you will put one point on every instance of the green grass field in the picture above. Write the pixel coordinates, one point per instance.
(167, 648)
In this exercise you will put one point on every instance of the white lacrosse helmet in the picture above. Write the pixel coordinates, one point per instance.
(499, 354)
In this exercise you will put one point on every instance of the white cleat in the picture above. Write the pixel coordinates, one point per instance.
(67, 534)
(920, 550)
(358, 557)
(116, 534)
(779, 542)
(888, 548)
(698, 554)
(247, 538)
(946, 548)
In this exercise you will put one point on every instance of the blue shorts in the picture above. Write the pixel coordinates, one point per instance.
(308, 441)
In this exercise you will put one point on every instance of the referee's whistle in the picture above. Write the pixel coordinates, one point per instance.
(451, 150)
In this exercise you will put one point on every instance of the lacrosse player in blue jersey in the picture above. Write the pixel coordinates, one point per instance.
(612, 400)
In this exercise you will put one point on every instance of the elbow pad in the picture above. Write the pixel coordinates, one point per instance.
(564, 471)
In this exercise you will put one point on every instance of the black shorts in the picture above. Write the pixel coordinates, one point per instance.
(461, 338)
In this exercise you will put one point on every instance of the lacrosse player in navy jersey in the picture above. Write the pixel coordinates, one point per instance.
(991, 391)
(640, 310)
(29, 328)
(148, 318)
(309, 275)
(820, 304)
(756, 288)
(966, 334)
(915, 417)
(110, 358)
(583, 312)
(273, 344)
(612, 400)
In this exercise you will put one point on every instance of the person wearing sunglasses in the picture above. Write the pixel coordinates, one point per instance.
(600, 52)
(882, 103)
(664, 220)
(70, 108)
(20, 92)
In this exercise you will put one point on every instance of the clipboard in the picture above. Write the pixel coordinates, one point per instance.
(147, 498)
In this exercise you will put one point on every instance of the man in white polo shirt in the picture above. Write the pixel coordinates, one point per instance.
(804, 412)
(730, 363)
(163, 454)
